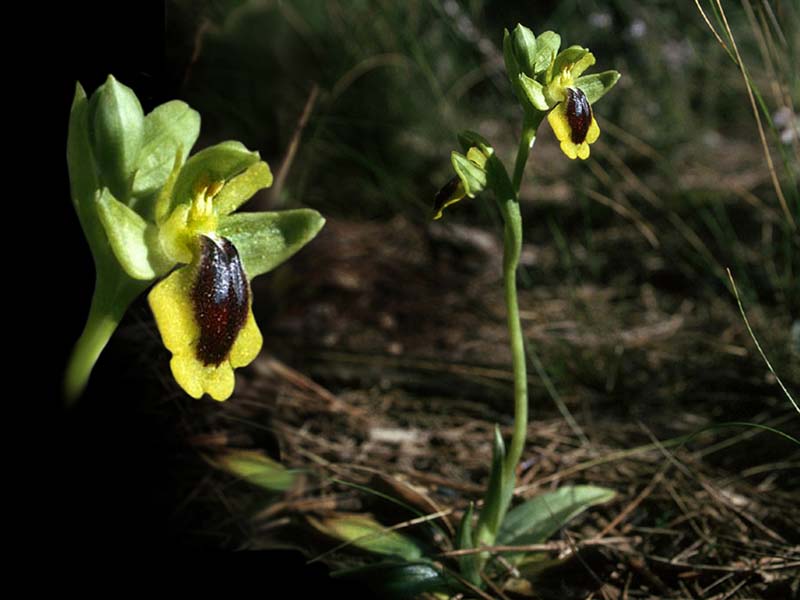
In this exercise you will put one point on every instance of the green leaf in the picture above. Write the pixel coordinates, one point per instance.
(471, 175)
(470, 563)
(533, 92)
(116, 131)
(169, 128)
(524, 44)
(266, 239)
(400, 580)
(242, 187)
(364, 532)
(547, 45)
(493, 505)
(133, 240)
(595, 86)
(534, 521)
(221, 162)
(255, 468)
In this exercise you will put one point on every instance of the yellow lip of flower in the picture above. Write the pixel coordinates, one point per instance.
(574, 124)
(203, 312)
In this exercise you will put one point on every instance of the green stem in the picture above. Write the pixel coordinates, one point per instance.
(529, 126)
(512, 251)
(106, 312)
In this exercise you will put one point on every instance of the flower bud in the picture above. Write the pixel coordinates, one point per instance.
(116, 130)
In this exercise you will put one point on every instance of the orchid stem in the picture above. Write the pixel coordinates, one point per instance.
(529, 126)
(512, 249)
(109, 304)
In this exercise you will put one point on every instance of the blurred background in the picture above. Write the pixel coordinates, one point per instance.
(633, 331)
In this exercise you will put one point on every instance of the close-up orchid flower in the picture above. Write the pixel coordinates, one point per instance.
(150, 216)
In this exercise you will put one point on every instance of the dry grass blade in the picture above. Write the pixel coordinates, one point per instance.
(755, 340)
(762, 136)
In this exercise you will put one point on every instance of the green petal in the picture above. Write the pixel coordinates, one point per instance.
(133, 240)
(547, 45)
(242, 187)
(469, 139)
(164, 199)
(169, 128)
(221, 162)
(534, 92)
(595, 86)
(576, 58)
(266, 239)
(472, 176)
(116, 131)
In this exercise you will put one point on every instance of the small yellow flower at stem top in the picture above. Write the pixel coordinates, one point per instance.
(574, 124)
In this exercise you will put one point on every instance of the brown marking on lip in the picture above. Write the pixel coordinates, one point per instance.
(579, 114)
(444, 194)
(221, 297)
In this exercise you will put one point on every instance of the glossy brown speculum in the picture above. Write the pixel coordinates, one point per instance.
(579, 114)
(221, 299)
(446, 193)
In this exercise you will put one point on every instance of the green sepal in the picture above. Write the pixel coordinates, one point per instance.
(82, 178)
(170, 128)
(116, 132)
(533, 92)
(512, 67)
(576, 58)
(362, 531)
(133, 240)
(221, 162)
(523, 45)
(471, 175)
(470, 564)
(241, 188)
(257, 469)
(266, 239)
(595, 86)
(493, 510)
(536, 520)
(401, 580)
(547, 45)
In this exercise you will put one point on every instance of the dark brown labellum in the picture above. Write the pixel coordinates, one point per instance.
(445, 194)
(221, 297)
(579, 114)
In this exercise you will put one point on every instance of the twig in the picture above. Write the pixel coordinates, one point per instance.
(291, 151)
